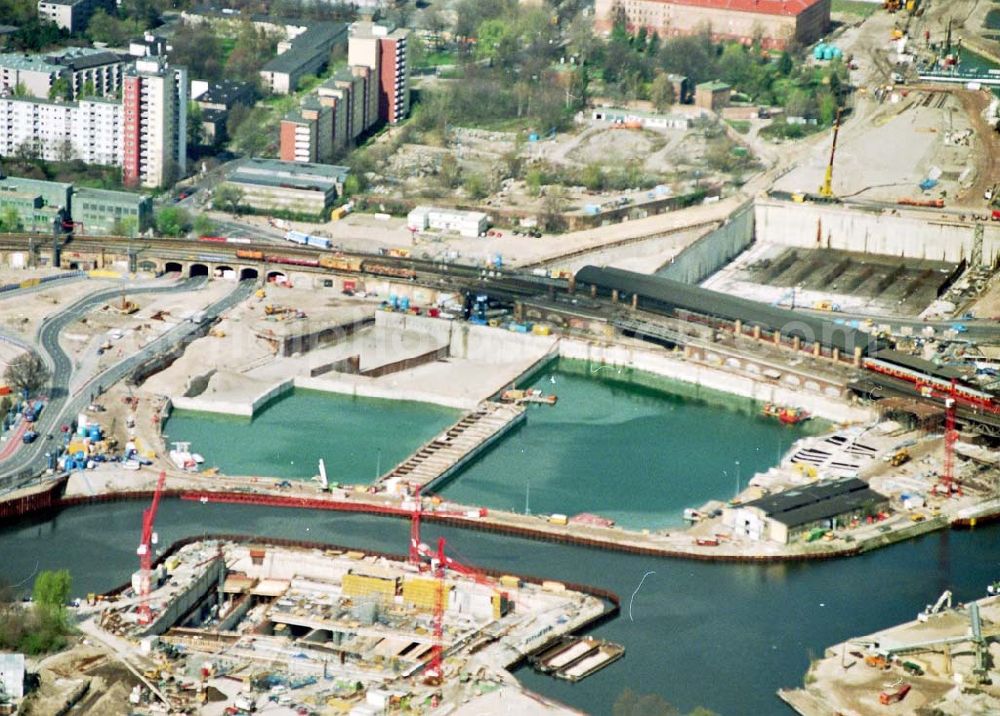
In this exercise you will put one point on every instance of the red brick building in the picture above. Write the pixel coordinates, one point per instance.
(777, 22)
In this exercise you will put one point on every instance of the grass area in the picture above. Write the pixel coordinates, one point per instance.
(740, 125)
(783, 130)
(226, 44)
(855, 7)
(441, 57)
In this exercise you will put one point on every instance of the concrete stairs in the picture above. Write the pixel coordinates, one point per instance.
(444, 455)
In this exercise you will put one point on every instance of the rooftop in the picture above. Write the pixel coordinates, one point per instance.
(34, 63)
(305, 46)
(819, 501)
(225, 92)
(108, 195)
(274, 172)
(81, 58)
(759, 7)
(713, 86)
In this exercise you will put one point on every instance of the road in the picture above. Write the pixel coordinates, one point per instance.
(31, 460)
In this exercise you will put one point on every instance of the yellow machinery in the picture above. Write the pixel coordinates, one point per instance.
(826, 190)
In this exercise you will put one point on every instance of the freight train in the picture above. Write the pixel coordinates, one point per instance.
(924, 374)
(336, 262)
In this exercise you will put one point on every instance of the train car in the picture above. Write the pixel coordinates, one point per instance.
(213, 239)
(250, 254)
(318, 242)
(238, 241)
(924, 374)
(384, 270)
(340, 263)
(292, 261)
(297, 237)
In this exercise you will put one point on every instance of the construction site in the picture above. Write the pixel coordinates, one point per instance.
(224, 624)
(941, 662)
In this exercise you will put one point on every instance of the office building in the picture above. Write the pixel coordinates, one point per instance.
(99, 211)
(295, 187)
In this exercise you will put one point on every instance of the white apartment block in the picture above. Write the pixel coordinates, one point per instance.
(90, 130)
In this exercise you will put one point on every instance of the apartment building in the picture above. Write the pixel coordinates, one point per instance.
(374, 88)
(306, 54)
(385, 52)
(73, 15)
(99, 72)
(89, 130)
(154, 100)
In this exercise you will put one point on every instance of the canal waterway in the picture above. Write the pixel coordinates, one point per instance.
(357, 437)
(626, 445)
(718, 635)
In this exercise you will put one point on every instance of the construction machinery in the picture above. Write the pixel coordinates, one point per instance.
(952, 398)
(826, 189)
(145, 552)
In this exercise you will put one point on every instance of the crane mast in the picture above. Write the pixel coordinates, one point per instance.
(826, 190)
(145, 552)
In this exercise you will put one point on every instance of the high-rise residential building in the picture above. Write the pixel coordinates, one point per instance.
(154, 99)
(385, 52)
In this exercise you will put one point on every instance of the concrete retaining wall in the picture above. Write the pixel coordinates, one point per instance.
(714, 250)
(922, 235)
(180, 604)
(229, 407)
(664, 364)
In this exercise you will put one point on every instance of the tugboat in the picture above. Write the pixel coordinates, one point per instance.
(787, 415)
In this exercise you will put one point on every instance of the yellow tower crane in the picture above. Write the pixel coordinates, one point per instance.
(826, 189)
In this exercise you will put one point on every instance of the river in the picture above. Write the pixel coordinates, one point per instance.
(718, 635)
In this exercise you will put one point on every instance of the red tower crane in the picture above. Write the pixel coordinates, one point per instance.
(145, 552)
(952, 398)
(415, 551)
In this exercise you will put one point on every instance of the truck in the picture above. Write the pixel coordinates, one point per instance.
(887, 698)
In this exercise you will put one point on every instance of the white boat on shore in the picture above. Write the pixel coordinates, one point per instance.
(181, 457)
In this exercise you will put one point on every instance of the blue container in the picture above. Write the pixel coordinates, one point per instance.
(838, 53)
(533, 137)
(818, 52)
(70, 465)
(81, 431)
(828, 52)
(80, 455)
(404, 303)
(95, 434)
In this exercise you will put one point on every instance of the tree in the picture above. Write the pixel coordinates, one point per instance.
(173, 221)
(435, 23)
(661, 92)
(198, 48)
(785, 64)
(51, 590)
(353, 185)
(195, 131)
(228, 198)
(125, 226)
(203, 225)
(112, 30)
(21, 90)
(60, 89)
(253, 48)
(88, 89)
(475, 186)
(26, 373)
(495, 41)
(36, 34)
(251, 135)
(553, 206)
(10, 220)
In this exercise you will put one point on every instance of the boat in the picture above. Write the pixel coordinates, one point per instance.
(605, 654)
(994, 588)
(198, 459)
(131, 465)
(787, 415)
(181, 457)
(530, 395)
(692, 515)
(566, 651)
